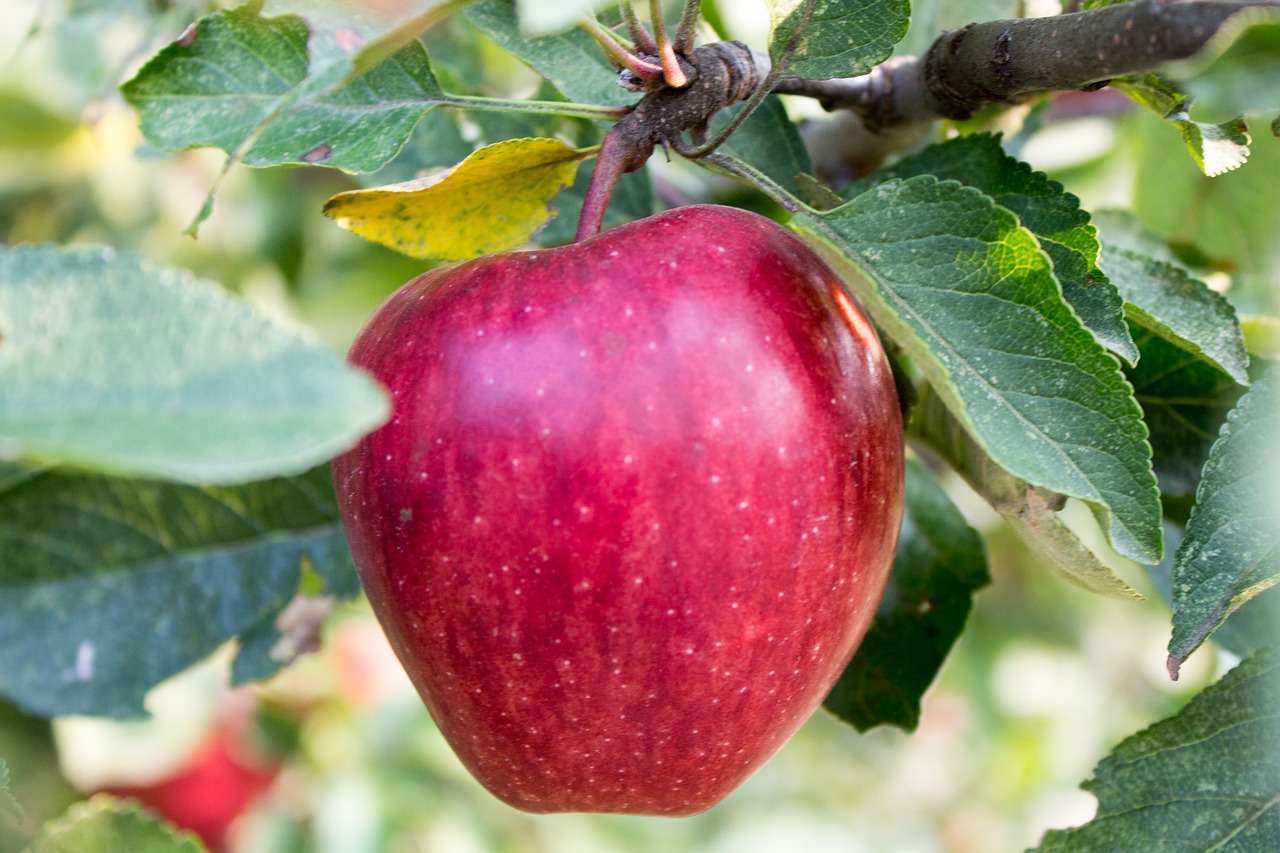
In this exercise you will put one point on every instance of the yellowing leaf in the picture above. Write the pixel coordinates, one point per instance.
(490, 202)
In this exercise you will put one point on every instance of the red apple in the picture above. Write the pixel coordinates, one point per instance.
(634, 509)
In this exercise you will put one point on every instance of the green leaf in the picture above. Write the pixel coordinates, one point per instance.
(1031, 513)
(1230, 222)
(1185, 401)
(1232, 548)
(966, 291)
(1162, 296)
(821, 39)
(109, 586)
(1217, 148)
(939, 564)
(1238, 71)
(1205, 779)
(112, 364)
(245, 84)
(493, 201)
(9, 807)
(571, 61)
(770, 141)
(1044, 208)
(107, 825)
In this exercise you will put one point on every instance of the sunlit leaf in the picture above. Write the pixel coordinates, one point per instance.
(970, 296)
(1046, 209)
(491, 202)
(111, 364)
(1216, 148)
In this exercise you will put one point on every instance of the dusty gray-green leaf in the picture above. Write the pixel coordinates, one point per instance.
(105, 824)
(109, 586)
(1163, 297)
(1185, 401)
(967, 292)
(571, 61)
(1232, 547)
(1207, 779)
(1043, 207)
(111, 364)
(940, 562)
(246, 84)
(821, 39)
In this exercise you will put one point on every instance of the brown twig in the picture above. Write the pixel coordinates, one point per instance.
(1002, 61)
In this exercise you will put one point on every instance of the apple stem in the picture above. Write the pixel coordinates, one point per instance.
(618, 155)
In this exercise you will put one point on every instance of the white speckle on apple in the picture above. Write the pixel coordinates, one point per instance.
(742, 505)
(751, 368)
(715, 478)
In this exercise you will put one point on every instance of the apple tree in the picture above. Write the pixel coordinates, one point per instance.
(1082, 333)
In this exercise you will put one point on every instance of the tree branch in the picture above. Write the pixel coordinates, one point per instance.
(1003, 61)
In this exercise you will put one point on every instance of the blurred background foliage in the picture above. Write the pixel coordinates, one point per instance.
(337, 753)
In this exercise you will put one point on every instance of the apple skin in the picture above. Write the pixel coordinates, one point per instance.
(634, 509)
